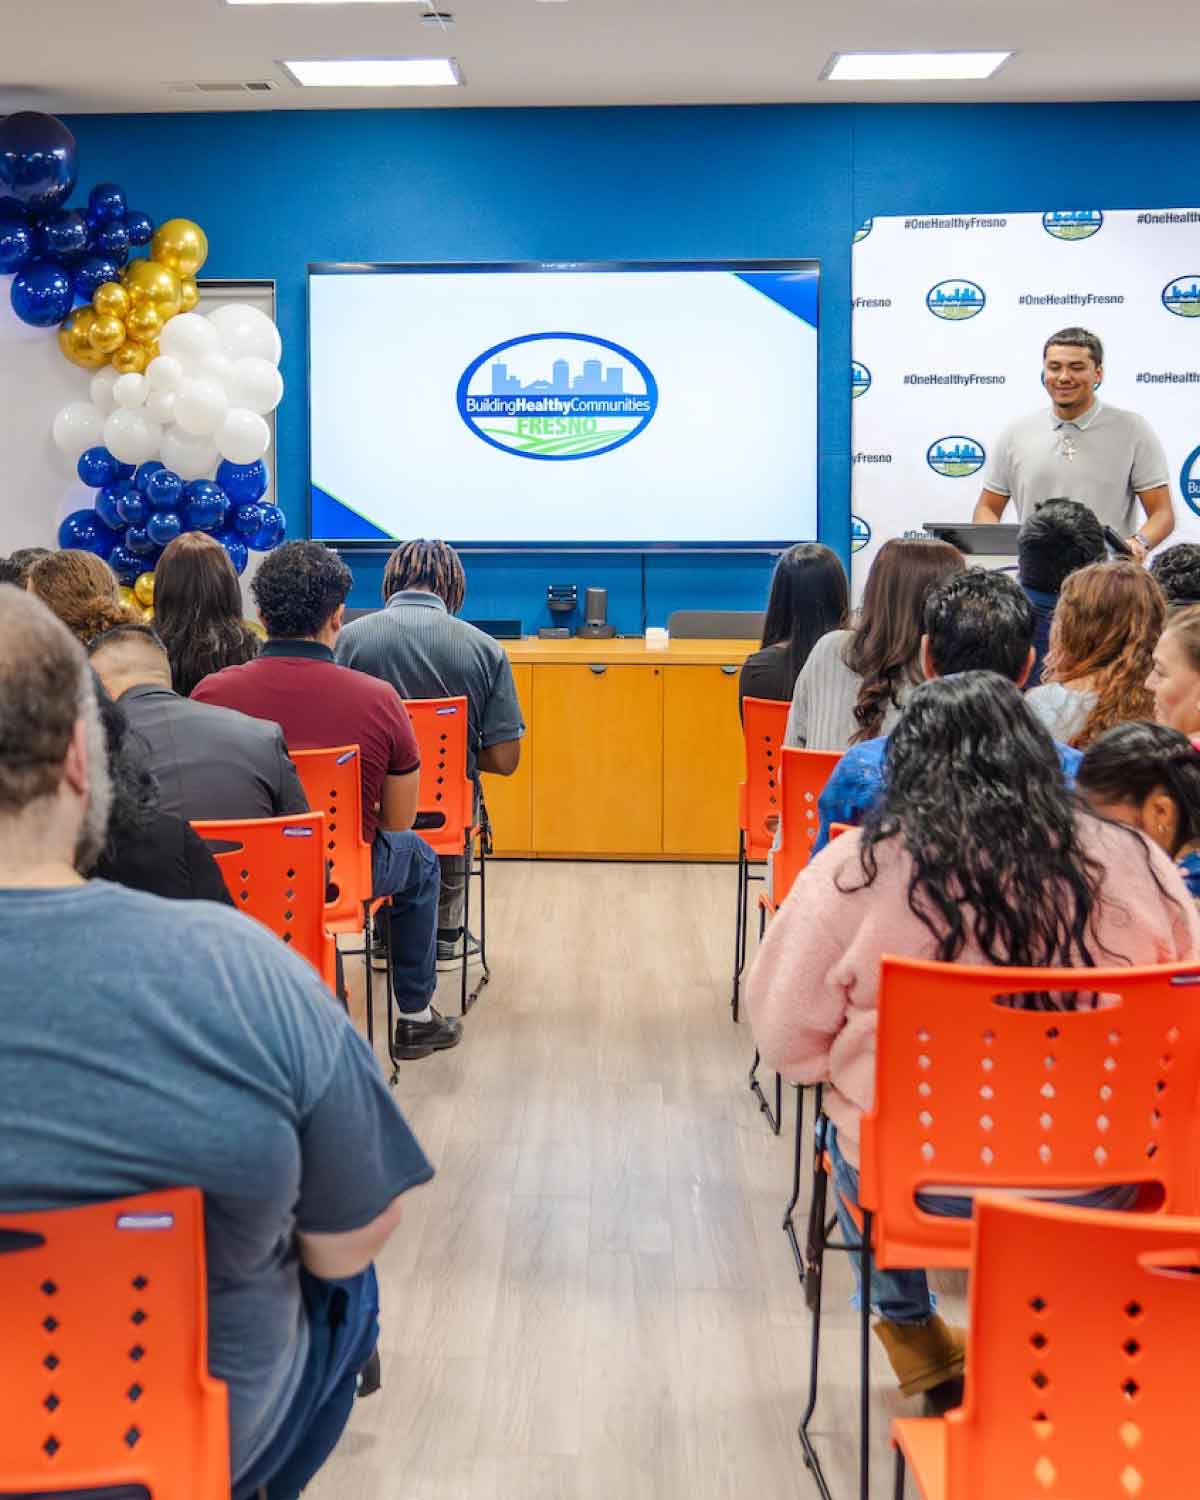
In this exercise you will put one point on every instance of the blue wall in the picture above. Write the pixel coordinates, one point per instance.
(276, 190)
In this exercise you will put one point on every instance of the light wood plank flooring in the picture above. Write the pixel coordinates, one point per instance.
(593, 1300)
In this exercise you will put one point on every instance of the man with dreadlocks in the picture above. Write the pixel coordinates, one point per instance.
(418, 645)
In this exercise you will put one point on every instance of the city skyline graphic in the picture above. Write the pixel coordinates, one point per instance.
(593, 380)
(1072, 223)
(955, 300)
(965, 456)
(1181, 299)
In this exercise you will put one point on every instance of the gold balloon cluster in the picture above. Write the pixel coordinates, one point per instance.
(139, 599)
(125, 317)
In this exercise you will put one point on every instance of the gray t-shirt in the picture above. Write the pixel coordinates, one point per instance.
(1104, 460)
(178, 1044)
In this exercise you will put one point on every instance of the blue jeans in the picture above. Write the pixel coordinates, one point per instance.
(404, 867)
(343, 1328)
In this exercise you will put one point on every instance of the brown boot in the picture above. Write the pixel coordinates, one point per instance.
(923, 1355)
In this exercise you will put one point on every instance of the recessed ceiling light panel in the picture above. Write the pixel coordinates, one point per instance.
(911, 67)
(375, 72)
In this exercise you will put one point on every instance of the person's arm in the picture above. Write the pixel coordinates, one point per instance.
(1149, 478)
(398, 802)
(501, 759)
(997, 483)
(289, 794)
(851, 791)
(989, 507)
(333, 1256)
(1159, 522)
(503, 725)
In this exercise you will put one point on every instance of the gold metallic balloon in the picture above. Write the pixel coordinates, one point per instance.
(189, 294)
(130, 359)
(144, 323)
(148, 281)
(143, 590)
(128, 599)
(106, 335)
(73, 340)
(111, 300)
(181, 245)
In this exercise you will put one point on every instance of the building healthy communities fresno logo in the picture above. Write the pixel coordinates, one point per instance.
(860, 534)
(955, 457)
(1182, 296)
(1189, 481)
(557, 396)
(860, 379)
(1072, 223)
(955, 300)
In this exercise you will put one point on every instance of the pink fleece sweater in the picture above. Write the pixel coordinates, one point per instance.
(814, 988)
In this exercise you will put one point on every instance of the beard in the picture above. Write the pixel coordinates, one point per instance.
(93, 831)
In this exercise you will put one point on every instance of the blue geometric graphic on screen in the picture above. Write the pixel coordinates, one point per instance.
(1182, 296)
(860, 379)
(795, 291)
(955, 300)
(1072, 223)
(955, 457)
(592, 380)
(332, 518)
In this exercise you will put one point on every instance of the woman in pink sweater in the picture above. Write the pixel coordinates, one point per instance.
(977, 853)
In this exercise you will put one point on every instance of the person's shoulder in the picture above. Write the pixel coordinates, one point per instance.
(1117, 848)
(830, 647)
(222, 718)
(867, 753)
(1029, 424)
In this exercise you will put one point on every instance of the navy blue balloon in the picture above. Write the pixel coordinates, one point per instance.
(139, 226)
(106, 203)
(37, 160)
(142, 477)
(86, 532)
(126, 471)
(132, 508)
(163, 489)
(42, 294)
(248, 519)
(243, 483)
(235, 547)
(164, 526)
(272, 531)
(106, 504)
(112, 240)
(16, 243)
(98, 467)
(206, 504)
(63, 235)
(93, 271)
(139, 542)
(127, 565)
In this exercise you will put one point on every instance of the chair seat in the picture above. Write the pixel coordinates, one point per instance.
(922, 1440)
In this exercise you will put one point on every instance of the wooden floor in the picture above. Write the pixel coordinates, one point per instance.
(593, 1299)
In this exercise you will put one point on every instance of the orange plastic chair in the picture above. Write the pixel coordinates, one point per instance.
(332, 782)
(104, 1362)
(1081, 1361)
(764, 721)
(837, 829)
(446, 812)
(974, 1094)
(274, 868)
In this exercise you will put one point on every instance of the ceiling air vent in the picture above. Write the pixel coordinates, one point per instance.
(253, 86)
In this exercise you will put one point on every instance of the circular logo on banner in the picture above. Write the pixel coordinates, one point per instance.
(860, 533)
(955, 457)
(860, 379)
(1189, 481)
(1072, 223)
(955, 300)
(1182, 296)
(557, 396)
(863, 230)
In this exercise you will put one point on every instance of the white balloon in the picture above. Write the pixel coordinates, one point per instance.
(243, 437)
(160, 407)
(130, 436)
(165, 373)
(255, 384)
(188, 336)
(200, 406)
(131, 391)
(78, 426)
(191, 456)
(217, 367)
(102, 388)
(245, 330)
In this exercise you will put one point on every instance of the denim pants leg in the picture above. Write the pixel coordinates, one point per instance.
(451, 901)
(404, 867)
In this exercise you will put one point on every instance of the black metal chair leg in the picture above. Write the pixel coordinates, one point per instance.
(789, 1227)
(812, 1291)
(864, 1436)
(775, 1119)
(463, 1005)
(898, 1492)
(739, 958)
(369, 983)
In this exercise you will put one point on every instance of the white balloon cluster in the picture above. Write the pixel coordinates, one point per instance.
(203, 399)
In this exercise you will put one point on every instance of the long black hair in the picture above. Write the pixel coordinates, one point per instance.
(134, 793)
(809, 598)
(1132, 761)
(974, 790)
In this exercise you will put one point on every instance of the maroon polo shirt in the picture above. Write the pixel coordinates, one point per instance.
(318, 704)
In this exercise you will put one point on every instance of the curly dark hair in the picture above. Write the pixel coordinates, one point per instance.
(1057, 537)
(1177, 573)
(979, 621)
(298, 587)
(1133, 761)
(198, 610)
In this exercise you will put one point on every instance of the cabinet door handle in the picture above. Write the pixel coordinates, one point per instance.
(598, 668)
(729, 668)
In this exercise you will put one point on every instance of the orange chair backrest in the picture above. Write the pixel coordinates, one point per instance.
(974, 1093)
(332, 782)
(104, 1361)
(1082, 1370)
(803, 774)
(446, 807)
(764, 721)
(837, 829)
(274, 868)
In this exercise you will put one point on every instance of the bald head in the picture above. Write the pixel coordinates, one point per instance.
(130, 656)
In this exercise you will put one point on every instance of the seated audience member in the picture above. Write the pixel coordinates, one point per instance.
(1057, 537)
(82, 591)
(198, 610)
(25, 557)
(12, 572)
(855, 681)
(1176, 570)
(809, 597)
(1108, 619)
(1148, 776)
(976, 854)
(1175, 674)
(974, 621)
(416, 643)
(181, 1044)
(207, 762)
(301, 590)
(148, 849)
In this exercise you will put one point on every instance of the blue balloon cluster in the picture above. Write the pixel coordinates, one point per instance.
(57, 255)
(138, 511)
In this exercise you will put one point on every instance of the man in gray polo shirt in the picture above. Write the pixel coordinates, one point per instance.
(1105, 457)
(416, 643)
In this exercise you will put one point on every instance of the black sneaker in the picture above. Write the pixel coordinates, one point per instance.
(370, 1378)
(419, 1038)
(379, 953)
(450, 950)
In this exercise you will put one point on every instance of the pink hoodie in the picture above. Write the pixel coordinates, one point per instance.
(814, 988)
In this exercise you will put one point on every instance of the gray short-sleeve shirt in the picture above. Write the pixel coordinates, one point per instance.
(1105, 460)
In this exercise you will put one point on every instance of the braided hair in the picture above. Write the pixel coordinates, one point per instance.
(434, 566)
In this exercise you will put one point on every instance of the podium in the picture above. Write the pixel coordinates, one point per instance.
(975, 540)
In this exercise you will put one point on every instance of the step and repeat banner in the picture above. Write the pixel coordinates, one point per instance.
(950, 316)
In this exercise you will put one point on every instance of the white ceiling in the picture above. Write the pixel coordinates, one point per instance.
(121, 55)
